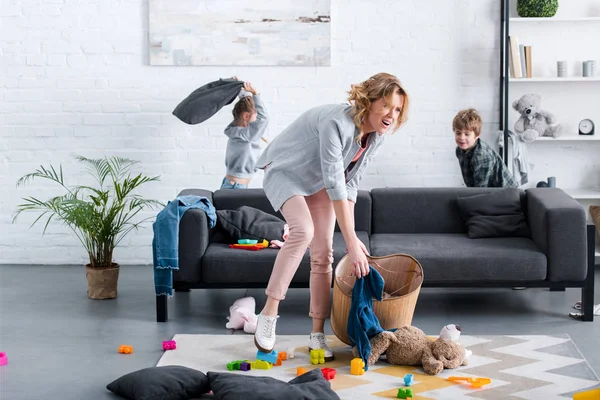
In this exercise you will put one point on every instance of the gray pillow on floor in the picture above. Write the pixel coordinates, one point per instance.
(308, 386)
(171, 382)
(495, 214)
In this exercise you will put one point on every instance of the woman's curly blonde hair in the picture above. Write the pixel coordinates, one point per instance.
(378, 86)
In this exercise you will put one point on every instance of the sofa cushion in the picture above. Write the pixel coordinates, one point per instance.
(497, 214)
(456, 258)
(222, 264)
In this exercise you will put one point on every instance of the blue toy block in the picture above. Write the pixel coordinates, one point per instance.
(408, 379)
(268, 357)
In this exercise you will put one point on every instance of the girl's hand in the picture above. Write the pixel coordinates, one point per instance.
(249, 88)
(357, 252)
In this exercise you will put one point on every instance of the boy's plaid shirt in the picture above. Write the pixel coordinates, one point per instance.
(481, 166)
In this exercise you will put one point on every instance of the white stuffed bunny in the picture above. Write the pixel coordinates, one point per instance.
(242, 315)
(452, 332)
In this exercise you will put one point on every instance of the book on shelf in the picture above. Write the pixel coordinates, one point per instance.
(520, 59)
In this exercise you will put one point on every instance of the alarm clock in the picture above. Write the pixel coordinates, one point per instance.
(586, 127)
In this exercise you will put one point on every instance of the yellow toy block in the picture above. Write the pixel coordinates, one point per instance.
(317, 356)
(589, 395)
(357, 366)
(260, 364)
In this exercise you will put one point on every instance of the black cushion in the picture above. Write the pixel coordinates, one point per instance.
(165, 383)
(310, 385)
(222, 264)
(453, 257)
(497, 214)
(249, 223)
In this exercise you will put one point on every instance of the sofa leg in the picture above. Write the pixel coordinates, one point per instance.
(161, 309)
(587, 292)
(557, 288)
(182, 290)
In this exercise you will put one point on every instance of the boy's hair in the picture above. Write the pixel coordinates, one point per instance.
(245, 104)
(467, 120)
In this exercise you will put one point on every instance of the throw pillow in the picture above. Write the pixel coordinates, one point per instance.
(495, 214)
(310, 385)
(166, 383)
(249, 223)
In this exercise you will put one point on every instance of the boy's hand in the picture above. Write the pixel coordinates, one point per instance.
(249, 88)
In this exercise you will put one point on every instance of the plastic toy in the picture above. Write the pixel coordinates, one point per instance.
(474, 382)
(125, 349)
(408, 379)
(300, 371)
(404, 393)
(169, 345)
(3, 358)
(328, 373)
(247, 241)
(258, 246)
(236, 365)
(317, 356)
(260, 364)
(290, 353)
(282, 355)
(589, 395)
(357, 366)
(245, 366)
(271, 357)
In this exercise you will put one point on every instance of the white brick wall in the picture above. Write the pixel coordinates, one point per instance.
(75, 78)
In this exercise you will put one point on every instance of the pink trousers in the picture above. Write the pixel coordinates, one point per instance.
(311, 221)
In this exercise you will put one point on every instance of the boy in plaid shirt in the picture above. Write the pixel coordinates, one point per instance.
(479, 163)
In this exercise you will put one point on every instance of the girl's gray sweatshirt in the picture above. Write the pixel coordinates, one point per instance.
(243, 146)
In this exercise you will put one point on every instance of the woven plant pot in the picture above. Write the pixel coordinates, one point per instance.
(102, 282)
(595, 213)
(537, 8)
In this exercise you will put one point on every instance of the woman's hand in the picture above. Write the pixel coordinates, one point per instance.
(357, 253)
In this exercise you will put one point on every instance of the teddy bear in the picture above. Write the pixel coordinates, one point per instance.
(242, 315)
(411, 347)
(534, 122)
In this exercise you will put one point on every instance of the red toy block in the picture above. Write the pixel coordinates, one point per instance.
(169, 345)
(125, 349)
(328, 373)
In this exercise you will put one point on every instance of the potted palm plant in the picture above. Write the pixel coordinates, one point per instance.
(100, 215)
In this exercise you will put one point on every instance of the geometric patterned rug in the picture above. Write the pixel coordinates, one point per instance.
(521, 367)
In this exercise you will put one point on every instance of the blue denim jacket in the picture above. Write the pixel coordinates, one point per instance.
(165, 244)
(362, 321)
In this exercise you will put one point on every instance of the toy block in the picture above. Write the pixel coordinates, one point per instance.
(589, 395)
(300, 371)
(125, 349)
(245, 366)
(404, 393)
(3, 358)
(260, 364)
(278, 363)
(282, 355)
(408, 379)
(317, 356)
(357, 366)
(290, 353)
(169, 345)
(235, 365)
(271, 357)
(474, 382)
(328, 373)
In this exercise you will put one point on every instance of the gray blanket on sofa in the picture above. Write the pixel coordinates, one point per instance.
(249, 223)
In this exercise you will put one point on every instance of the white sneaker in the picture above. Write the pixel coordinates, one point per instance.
(319, 341)
(264, 337)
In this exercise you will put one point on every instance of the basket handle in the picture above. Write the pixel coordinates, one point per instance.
(386, 270)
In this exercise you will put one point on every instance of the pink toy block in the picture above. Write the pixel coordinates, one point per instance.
(3, 358)
(169, 345)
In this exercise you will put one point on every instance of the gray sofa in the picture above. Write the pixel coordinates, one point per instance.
(422, 222)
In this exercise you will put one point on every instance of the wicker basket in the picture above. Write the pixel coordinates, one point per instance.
(403, 276)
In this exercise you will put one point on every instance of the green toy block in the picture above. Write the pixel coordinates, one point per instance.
(404, 393)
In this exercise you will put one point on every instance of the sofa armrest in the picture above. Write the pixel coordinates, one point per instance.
(558, 226)
(194, 237)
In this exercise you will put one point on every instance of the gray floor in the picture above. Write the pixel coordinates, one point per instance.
(62, 345)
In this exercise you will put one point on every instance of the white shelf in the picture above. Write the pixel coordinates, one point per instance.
(556, 19)
(583, 194)
(556, 79)
(569, 138)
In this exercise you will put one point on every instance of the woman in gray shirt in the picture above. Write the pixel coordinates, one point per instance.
(312, 172)
(245, 133)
